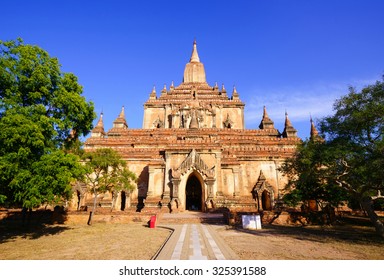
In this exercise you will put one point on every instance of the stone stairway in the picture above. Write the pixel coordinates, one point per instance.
(190, 217)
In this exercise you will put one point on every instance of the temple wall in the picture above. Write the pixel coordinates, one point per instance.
(158, 182)
(207, 119)
(151, 114)
(235, 114)
(251, 172)
(228, 186)
(234, 180)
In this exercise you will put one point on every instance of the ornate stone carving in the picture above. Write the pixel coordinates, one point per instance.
(158, 123)
(194, 124)
(261, 186)
(193, 160)
(228, 122)
(175, 173)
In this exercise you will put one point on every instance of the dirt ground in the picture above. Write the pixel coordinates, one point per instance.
(276, 242)
(101, 241)
(352, 239)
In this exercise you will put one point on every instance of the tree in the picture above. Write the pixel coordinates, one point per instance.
(42, 114)
(355, 137)
(125, 181)
(348, 163)
(307, 174)
(106, 171)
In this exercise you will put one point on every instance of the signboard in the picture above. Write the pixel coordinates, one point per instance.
(251, 221)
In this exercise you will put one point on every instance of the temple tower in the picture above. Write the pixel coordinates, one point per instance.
(176, 107)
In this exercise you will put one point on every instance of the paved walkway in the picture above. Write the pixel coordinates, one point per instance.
(194, 241)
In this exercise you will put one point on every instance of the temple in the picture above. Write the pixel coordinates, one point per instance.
(193, 151)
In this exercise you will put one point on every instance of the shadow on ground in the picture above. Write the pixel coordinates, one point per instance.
(32, 225)
(349, 229)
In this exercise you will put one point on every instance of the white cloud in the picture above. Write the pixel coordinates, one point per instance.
(300, 102)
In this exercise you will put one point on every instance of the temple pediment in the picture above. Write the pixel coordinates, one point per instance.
(194, 161)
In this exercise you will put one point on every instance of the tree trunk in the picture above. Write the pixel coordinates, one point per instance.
(114, 199)
(367, 205)
(90, 218)
(93, 209)
(24, 215)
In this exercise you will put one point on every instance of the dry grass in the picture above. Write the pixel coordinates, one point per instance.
(101, 241)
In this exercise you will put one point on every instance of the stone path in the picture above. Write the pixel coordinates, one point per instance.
(194, 241)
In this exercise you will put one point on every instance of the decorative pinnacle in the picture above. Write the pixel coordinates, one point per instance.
(194, 56)
(122, 113)
(287, 121)
(265, 114)
(313, 133)
(100, 123)
(234, 92)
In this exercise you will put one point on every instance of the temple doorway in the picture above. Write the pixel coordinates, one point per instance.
(123, 201)
(266, 200)
(193, 194)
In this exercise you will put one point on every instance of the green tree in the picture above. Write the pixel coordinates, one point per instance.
(355, 136)
(307, 174)
(348, 163)
(124, 181)
(106, 171)
(42, 114)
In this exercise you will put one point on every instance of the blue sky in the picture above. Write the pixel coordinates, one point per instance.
(295, 56)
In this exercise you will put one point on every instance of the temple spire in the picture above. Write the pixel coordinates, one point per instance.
(120, 121)
(98, 131)
(100, 123)
(195, 55)
(266, 122)
(164, 90)
(153, 93)
(314, 134)
(122, 113)
(223, 90)
(287, 121)
(265, 114)
(289, 130)
(194, 70)
(235, 94)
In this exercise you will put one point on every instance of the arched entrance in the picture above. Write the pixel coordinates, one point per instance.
(266, 200)
(193, 194)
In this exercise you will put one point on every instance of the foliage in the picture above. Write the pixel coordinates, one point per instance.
(350, 158)
(355, 134)
(309, 176)
(107, 171)
(39, 108)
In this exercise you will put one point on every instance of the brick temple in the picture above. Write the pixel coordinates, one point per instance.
(193, 151)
